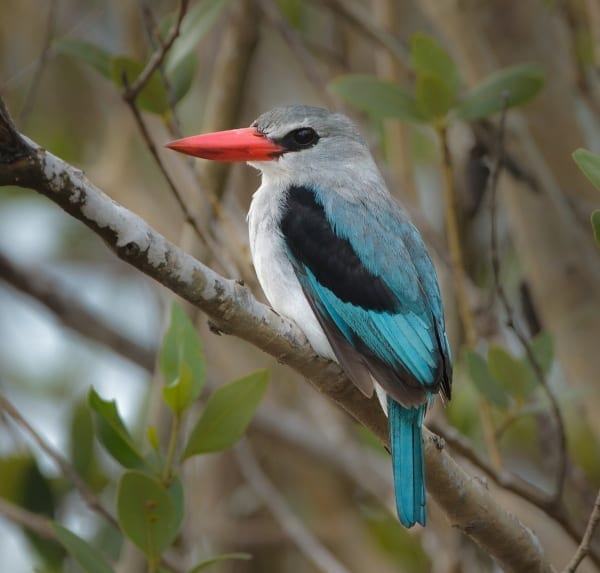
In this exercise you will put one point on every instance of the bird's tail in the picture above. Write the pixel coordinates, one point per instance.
(407, 459)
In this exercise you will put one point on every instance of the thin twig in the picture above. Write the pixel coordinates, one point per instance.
(188, 217)
(131, 91)
(359, 17)
(27, 519)
(154, 38)
(295, 43)
(510, 315)
(584, 547)
(459, 276)
(305, 541)
(40, 65)
(67, 308)
(65, 467)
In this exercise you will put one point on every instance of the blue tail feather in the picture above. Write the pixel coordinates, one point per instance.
(407, 459)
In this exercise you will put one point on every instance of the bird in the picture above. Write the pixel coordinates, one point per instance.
(337, 254)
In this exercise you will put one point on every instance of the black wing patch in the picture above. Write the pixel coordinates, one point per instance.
(313, 242)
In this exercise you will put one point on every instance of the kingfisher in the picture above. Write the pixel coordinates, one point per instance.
(335, 253)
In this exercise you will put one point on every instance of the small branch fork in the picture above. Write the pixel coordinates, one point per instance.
(584, 547)
(129, 95)
(510, 317)
(155, 61)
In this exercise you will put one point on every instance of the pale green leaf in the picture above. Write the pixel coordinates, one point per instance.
(217, 559)
(146, 512)
(88, 557)
(112, 433)
(434, 97)
(430, 57)
(181, 361)
(483, 380)
(226, 415)
(508, 87)
(379, 98)
(511, 373)
(589, 164)
(199, 20)
(542, 347)
(86, 53)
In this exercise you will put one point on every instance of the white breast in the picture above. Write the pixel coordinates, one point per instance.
(274, 271)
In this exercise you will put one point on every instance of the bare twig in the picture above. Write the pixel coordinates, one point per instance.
(67, 307)
(32, 521)
(291, 38)
(459, 276)
(234, 310)
(367, 469)
(65, 467)
(155, 39)
(584, 547)
(510, 315)
(227, 267)
(314, 551)
(40, 65)
(357, 15)
(131, 91)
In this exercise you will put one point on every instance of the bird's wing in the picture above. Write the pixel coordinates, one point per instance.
(373, 288)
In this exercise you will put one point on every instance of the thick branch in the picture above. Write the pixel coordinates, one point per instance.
(234, 310)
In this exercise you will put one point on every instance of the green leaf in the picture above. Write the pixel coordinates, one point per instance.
(179, 395)
(90, 559)
(112, 433)
(196, 24)
(589, 164)
(507, 87)
(86, 53)
(227, 414)
(153, 97)
(182, 76)
(483, 380)
(542, 347)
(146, 512)
(430, 58)
(514, 375)
(181, 361)
(217, 559)
(434, 97)
(595, 220)
(82, 440)
(176, 492)
(293, 11)
(377, 97)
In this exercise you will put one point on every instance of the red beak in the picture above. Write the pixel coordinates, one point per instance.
(246, 144)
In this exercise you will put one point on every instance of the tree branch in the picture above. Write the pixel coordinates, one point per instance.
(67, 308)
(234, 310)
(584, 547)
(132, 91)
(305, 541)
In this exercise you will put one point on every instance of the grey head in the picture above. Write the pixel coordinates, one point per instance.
(316, 144)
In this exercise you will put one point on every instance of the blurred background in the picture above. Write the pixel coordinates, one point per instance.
(73, 316)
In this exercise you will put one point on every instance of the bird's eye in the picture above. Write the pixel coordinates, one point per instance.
(304, 137)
